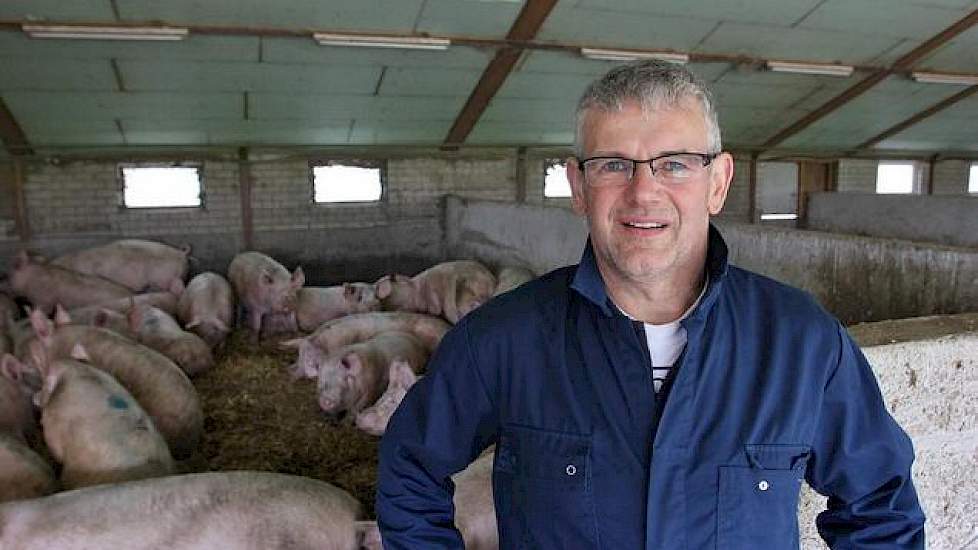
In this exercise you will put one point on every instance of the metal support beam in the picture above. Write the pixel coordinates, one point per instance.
(525, 27)
(752, 210)
(244, 188)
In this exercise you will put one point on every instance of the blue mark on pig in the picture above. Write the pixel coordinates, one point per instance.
(117, 402)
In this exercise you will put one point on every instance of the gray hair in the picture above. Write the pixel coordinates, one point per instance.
(654, 84)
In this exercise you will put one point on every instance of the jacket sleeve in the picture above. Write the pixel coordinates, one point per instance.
(442, 424)
(861, 460)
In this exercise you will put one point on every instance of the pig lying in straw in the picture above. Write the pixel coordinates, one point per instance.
(400, 378)
(449, 289)
(46, 285)
(264, 286)
(160, 387)
(316, 305)
(157, 330)
(206, 308)
(356, 375)
(93, 427)
(133, 263)
(333, 335)
(215, 510)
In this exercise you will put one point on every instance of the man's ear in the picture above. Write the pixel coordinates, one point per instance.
(576, 180)
(721, 175)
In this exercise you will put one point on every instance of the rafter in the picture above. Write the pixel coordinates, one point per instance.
(525, 27)
(855, 91)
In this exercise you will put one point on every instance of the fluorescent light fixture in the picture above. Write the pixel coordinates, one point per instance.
(405, 42)
(767, 217)
(945, 78)
(828, 69)
(632, 55)
(87, 32)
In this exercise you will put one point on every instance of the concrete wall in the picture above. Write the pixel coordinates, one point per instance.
(950, 176)
(72, 205)
(930, 386)
(858, 279)
(942, 219)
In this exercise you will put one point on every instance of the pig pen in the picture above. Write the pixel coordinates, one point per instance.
(256, 417)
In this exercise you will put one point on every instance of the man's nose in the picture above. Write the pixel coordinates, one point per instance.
(643, 179)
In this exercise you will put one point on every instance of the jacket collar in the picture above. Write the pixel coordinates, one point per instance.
(589, 284)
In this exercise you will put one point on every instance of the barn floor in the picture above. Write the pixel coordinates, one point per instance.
(256, 417)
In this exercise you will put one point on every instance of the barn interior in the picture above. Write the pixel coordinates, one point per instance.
(464, 112)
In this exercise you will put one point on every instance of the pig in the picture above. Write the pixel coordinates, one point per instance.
(225, 510)
(167, 300)
(16, 388)
(475, 512)
(161, 388)
(316, 305)
(98, 316)
(133, 263)
(400, 378)
(263, 286)
(354, 377)
(23, 473)
(94, 428)
(46, 285)
(332, 335)
(155, 329)
(206, 308)
(449, 289)
(510, 277)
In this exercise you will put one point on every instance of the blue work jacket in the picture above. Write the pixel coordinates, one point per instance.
(770, 392)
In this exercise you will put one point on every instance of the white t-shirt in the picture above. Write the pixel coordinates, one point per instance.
(666, 342)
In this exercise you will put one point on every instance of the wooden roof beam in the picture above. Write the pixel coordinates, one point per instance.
(855, 91)
(11, 134)
(525, 28)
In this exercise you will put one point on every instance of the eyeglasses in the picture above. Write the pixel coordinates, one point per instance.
(669, 168)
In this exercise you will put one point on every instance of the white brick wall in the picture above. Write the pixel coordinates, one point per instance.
(857, 176)
(951, 177)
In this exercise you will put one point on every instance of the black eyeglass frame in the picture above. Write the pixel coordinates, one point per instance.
(706, 158)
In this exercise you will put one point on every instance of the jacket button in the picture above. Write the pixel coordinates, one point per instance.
(764, 485)
(571, 469)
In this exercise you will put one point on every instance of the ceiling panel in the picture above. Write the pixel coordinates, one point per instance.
(29, 75)
(164, 131)
(230, 77)
(781, 12)
(953, 128)
(428, 82)
(468, 17)
(960, 54)
(89, 10)
(877, 17)
(505, 133)
(194, 48)
(323, 107)
(782, 43)
(292, 50)
(391, 15)
(555, 111)
(39, 107)
(528, 85)
(63, 132)
(616, 29)
(378, 132)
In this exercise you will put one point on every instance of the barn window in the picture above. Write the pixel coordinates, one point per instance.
(339, 182)
(895, 178)
(160, 186)
(973, 179)
(555, 184)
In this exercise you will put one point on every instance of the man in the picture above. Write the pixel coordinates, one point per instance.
(652, 396)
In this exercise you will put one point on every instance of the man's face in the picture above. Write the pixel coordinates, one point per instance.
(626, 252)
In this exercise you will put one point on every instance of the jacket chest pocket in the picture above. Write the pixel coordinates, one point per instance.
(542, 482)
(758, 503)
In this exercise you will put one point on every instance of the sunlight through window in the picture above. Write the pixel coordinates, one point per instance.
(555, 184)
(339, 183)
(160, 186)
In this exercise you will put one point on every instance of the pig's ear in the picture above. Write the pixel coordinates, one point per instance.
(368, 535)
(402, 374)
(42, 326)
(10, 367)
(294, 343)
(185, 248)
(21, 259)
(61, 316)
(383, 287)
(177, 287)
(79, 353)
(298, 278)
